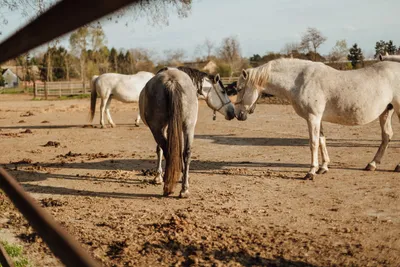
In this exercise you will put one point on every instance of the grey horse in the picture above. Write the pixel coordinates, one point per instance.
(168, 105)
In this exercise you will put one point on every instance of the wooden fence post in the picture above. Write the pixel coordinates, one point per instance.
(34, 90)
(45, 90)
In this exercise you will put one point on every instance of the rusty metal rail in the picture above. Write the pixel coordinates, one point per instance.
(60, 242)
(62, 18)
(5, 260)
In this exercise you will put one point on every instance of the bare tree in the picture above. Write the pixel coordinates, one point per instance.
(289, 48)
(156, 11)
(311, 40)
(339, 51)
(206, 48)
(229, 52)
(174, 57)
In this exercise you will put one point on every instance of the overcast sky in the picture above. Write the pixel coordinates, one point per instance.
(260, 25)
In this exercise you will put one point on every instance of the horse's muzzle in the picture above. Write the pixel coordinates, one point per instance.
(242, 116)
(230, 114)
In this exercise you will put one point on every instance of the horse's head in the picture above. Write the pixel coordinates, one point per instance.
(216, 96)
(247, 96)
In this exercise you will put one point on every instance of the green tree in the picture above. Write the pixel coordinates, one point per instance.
(391, 48)
(2, 81)
(355, 56)
(255, 58)
(82, 40)
(112, 58)
(380, 48)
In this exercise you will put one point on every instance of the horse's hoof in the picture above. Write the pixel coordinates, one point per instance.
(103, 127)
(184, 194)
(370, 167)
(322, 170)
(113, 125)
(397, 169)
(309, 176)
(167, 193)
(158, 180)
(136, 124)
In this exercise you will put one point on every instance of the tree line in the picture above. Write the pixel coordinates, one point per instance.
(89, 55)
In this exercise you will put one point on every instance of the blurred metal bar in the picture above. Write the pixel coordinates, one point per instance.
(5, 260)
(60, 19)
(59, 241)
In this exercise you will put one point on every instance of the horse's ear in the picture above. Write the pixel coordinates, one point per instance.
(245, 74)
(386, 54)
(217, 78)
(380, 57)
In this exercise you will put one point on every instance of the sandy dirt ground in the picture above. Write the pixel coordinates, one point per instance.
(248, 206)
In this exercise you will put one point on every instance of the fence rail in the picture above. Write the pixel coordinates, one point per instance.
(59, 89)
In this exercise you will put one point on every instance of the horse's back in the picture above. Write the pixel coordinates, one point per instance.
(125, 88)
(153, 98)
(352, 97)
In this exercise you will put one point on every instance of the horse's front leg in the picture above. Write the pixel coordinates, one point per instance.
(137, 120)
(324, 152)
(187, 153)
(385, 120)
(313, 129)
(108, 112)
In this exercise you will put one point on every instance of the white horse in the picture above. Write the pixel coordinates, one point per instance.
(320, 93)
(168, 105)
(125, 88)
(387, 57)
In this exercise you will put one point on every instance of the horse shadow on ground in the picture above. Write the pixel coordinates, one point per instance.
(241, 257)
(267, 141)
(66, 126)
(45, 171)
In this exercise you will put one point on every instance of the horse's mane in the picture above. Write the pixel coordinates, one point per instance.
(196, 75)
(258, 76)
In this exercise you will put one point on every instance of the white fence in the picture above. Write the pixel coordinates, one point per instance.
(47, 89)
(58, 89)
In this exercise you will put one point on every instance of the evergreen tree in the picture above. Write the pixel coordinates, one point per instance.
(112, 58)
(355, 55)
(391, 48)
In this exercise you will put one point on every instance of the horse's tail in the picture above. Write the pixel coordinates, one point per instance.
(93, 96)
(173, 156)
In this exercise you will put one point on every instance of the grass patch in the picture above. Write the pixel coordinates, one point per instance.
(16, 254)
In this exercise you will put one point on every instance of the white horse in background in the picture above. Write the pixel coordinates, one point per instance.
(320, 93)
(125, 88)
(387, 57)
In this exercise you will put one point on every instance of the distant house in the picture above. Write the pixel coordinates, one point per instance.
(10, 78)
(13, 75)
(208, 66)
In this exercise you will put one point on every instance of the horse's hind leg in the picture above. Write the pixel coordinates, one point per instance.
(324, 152)
(385, 120)
(108, 112)
(158, 179)
(161, 147)
(187, 153)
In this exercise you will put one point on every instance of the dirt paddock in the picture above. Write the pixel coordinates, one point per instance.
(248, 204)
